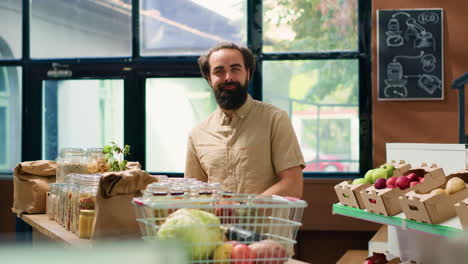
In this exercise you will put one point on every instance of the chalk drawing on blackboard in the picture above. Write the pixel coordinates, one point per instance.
(395, 84)
(394, 34)
(422, 38)
(428, 62)
(428, 18)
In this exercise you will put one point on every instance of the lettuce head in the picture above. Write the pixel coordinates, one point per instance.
(200, 230)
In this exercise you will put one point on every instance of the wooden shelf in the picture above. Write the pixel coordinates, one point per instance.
(52, 230)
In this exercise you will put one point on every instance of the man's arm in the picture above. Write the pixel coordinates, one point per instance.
(290, 184)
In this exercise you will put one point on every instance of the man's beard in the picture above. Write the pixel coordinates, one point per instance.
(231, 99)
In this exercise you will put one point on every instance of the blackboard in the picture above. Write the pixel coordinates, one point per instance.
(409, 51)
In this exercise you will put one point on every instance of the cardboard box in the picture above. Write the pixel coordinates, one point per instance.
(349, 194)
(461, 208)
(385, 201)
(433, 208)
(400, 167)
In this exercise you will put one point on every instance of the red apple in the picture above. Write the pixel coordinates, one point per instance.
(412, 177)
(369, 262)
(380, 183)
(402, 182)
(421, 180)
(413, 183)
(391, 182)
(242, 254)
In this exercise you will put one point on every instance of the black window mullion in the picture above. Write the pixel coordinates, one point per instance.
(136, 29)
(135, 117)
(365, 85)
(338, 55)
(31, 147)
(255, 42)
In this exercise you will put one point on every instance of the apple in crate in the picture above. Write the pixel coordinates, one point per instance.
(413, 177)
(391, 182)
(368, 176)
(389, 168)
(379, 174)
(380, 184)
(360, 181)
(403, 182)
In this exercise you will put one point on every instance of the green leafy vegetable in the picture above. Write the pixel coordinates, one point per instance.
(115, 156)
(199, 229)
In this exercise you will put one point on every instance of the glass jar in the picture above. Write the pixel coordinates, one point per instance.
(70, 160)
(86, 196)
(67, 198)
(59, 187)
(157, 189)
(85, 221)
(96, 162)
(52, 198)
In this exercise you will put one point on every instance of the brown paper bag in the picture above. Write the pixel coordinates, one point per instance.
(115, 216)
(31, 183)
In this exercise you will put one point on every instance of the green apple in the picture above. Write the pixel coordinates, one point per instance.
(390, 168)
(368, 176)
(360, 181)
(379, 173)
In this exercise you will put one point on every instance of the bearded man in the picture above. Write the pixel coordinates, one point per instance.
(246, 145)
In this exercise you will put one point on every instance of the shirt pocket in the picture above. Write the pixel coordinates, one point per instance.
(212, 159)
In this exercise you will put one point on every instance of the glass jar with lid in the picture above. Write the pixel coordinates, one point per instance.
(96, 162)
(58, 205)
(67, 198)
(86, 196)
(70, 160)
(52, 198)
(157, 189)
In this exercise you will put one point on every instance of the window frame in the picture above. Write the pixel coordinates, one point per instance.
(136, 69)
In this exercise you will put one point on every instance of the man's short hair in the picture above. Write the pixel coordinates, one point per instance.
(249, 58)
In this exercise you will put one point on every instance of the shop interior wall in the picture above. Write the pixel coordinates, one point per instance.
(422, 121)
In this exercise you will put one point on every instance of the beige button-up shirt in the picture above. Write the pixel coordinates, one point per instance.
(244, 154)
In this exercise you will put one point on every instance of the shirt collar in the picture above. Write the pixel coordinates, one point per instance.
(242, 112)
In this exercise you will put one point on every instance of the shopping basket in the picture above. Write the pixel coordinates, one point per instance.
(233, 228)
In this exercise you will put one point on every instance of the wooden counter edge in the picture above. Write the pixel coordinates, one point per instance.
(52, 230)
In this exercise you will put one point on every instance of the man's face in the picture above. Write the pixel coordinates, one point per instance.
(228, 78)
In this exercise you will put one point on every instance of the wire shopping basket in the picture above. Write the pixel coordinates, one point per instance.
(235, 228)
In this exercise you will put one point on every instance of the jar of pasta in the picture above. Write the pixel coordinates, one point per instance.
(96, 162)
(86, 197)
(70, 160)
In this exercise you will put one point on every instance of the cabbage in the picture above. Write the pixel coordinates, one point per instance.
(199, 229)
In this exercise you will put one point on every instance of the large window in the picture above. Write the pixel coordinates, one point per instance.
(10, 118)
(97, 71)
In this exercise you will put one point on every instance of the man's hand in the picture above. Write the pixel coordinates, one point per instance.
(290, 184)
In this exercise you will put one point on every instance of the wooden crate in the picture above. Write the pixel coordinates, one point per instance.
(385, 201)
(433, 208)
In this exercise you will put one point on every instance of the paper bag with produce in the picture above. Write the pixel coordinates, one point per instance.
(115, 216)
(31, 183)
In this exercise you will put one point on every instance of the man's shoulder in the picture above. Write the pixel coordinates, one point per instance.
(268, 109)
(205, 124)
